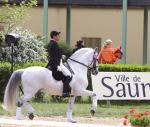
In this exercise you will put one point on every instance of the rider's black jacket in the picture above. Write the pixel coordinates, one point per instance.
(55, 54)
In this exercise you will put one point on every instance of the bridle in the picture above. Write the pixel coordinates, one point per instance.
(87, 66)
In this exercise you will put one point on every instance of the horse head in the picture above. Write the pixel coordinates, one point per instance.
(118, 53)
(86, 57)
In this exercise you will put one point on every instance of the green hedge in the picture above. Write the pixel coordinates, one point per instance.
(124, 68)
(4, 76)
(5, 71)
(29, 64)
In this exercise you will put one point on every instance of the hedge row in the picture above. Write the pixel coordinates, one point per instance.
(4, 76)
(5, 71)
(124, 68)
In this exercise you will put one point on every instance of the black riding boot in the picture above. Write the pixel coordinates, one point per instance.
(66, 87)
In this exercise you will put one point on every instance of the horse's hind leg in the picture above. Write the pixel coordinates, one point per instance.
(19, 109)
(24, 101)
(28, 106)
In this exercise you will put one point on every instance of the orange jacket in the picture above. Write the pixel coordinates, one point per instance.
(106, 55)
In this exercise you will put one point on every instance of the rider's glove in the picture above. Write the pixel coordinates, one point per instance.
(58, 68)
(63, 58)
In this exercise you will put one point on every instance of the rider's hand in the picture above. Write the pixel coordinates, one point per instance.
(58, 68)
(64, 57)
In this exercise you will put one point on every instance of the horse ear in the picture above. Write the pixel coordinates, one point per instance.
(96, 49)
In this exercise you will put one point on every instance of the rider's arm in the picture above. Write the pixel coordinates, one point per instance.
(55, 54)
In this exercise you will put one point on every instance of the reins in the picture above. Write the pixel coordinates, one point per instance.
(81, 63)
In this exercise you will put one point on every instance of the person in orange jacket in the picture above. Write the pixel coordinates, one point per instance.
(106, 54)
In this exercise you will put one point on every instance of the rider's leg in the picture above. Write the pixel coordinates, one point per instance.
(65, 71)
(66, 80)
(66, 86)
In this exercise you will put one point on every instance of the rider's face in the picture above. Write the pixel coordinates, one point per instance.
(109, 45)
(57, 37)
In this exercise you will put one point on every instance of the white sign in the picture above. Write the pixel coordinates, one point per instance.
(122, 85)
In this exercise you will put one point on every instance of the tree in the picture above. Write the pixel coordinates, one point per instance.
(30, 48)
(11, 14)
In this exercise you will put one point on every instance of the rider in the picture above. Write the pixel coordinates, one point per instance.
(55, 65)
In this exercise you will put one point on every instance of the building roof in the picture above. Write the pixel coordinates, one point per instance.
(98, 2)
(107, 3)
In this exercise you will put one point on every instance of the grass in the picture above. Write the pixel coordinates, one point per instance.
(117, 109)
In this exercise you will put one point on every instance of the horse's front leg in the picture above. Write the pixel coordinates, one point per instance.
(92, 95)
(94, 105)
(85, 92)
(70, 108)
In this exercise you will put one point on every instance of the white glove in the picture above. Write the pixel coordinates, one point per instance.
(58, 68)
(63, 57)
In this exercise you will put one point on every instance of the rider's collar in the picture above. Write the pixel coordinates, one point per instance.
(53, 40)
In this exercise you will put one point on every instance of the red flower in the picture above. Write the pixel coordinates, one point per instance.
(137, 115)
(125, 122)
(137, 118)
(125, 116)
(132, 111)
(146, 113)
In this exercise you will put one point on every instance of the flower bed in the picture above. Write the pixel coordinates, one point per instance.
(137, 119)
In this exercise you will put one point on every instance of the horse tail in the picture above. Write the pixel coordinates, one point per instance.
(11, 90)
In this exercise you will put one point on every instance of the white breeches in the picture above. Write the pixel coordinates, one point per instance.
(65, 71)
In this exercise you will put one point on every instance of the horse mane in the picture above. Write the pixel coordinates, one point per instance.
(80, 52)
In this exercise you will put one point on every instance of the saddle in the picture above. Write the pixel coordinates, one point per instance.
(58, 75)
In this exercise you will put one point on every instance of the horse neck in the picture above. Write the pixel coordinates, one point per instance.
(83, 55)
(82, 59)
(78, 68)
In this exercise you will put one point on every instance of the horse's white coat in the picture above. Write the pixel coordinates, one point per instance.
(36, 78)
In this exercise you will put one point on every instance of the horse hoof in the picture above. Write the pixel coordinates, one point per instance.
(92, 112)
(72, 121)
(31, 116)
